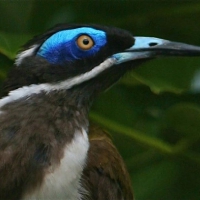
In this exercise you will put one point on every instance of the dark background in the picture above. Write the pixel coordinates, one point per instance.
(153, 113)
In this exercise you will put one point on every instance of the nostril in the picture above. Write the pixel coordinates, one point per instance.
(151, 44)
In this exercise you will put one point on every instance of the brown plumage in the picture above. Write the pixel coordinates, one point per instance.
(105, 175)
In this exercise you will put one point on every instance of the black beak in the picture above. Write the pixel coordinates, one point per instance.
(149, 47)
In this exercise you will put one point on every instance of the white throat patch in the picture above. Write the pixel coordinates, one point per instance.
(27, 91)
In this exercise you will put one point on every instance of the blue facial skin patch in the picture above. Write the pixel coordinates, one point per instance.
(62, 47)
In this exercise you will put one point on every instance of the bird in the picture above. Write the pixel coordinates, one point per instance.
(48, 148)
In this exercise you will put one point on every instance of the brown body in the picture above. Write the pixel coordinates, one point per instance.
(30, 144)
(105, 175)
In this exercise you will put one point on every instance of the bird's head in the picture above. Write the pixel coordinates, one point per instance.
(87, 58)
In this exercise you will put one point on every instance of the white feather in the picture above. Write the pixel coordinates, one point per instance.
(24, 54)
(27, 91)
(64, 181)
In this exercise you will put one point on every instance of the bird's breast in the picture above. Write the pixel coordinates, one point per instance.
(63, 182)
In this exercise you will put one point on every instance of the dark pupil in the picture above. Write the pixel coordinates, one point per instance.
(85, 41)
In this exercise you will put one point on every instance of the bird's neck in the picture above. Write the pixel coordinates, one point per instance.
(69, 101)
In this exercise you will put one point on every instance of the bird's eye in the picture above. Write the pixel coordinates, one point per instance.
(85, 42)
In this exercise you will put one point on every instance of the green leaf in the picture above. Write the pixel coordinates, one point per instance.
(182, 121)
(171, 74)
(184, 118)
(10, 43)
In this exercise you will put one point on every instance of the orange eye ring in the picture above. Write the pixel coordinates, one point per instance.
(85, 42)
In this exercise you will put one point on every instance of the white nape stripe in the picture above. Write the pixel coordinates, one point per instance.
(27, 91)
(26, 53)
(63, 182)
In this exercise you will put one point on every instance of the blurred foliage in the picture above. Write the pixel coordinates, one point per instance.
(153, 113)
